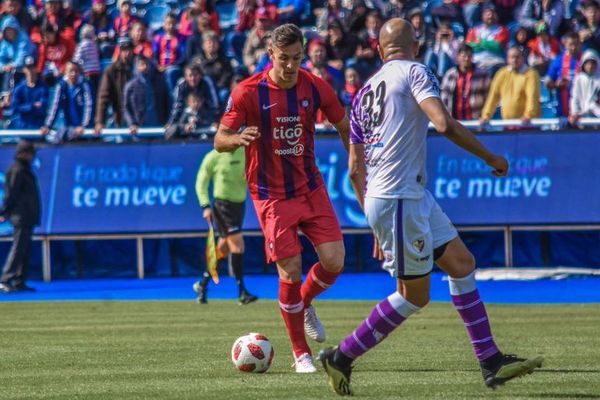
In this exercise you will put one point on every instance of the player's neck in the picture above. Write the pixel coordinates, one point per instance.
(280, 82)
(398, 57)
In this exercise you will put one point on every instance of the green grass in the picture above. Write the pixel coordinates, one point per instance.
(180, 350)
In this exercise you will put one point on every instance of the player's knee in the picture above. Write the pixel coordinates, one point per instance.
(333, 261)
(465, 263)
(236, 243)
(419, 299)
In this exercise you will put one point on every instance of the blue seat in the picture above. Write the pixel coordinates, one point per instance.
(228, 15)
(155, 16)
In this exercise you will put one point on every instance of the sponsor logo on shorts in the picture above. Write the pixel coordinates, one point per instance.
(419, 244)
(233, 228)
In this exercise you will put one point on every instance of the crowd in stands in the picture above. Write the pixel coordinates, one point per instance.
(66, 66)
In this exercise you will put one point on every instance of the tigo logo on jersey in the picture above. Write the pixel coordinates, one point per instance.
(290, 134)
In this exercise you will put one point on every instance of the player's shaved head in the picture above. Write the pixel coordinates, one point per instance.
(397, 40)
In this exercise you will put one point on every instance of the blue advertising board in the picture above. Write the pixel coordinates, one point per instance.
(144, 188)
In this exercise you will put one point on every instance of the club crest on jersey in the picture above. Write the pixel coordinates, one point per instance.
(419, 244)
(229, 104)
(304, 103)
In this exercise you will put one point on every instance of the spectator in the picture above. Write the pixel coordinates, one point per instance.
(366, 57)
(291, 11)
(255, 47)
(14, 47)
(53, 54)
(400, 8)
(246, 10)
(537, 12)
(472, 13)
(424, 34)
(16, 9)
(216, 65)
(488, 40)
(542, 50)
(87, 55)
(72, 97)
(465, 87)
(562, 72)
(352, 85)
(442, 56)
(30, 99)
(194, 80)
(340, 46)
(521, 40)
(317, 65)
(517, 88)
(55, 14)
(506, 10)
(112, 84)
(104, 27)
(355, 20)
(169, 50)
(333, 11)
(194, 121)
(125, 20)
(22, 208)
(139, 38)
(589, 28)
(190, 15)
(145, 97)
(585, 98)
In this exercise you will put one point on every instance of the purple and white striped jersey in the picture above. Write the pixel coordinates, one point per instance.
(387, 119)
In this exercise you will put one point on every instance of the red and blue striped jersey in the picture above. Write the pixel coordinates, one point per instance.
(281, 163)
(167, 49)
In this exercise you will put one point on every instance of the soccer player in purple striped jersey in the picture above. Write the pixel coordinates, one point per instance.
(389, 123)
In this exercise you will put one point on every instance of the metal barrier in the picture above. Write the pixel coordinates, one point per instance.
(546, 123)
(139, 239)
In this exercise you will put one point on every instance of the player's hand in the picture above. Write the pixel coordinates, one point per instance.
(248, 135)
(44, 130)
(574, 119)
(499, 164)
(377, 252)
(207, 214)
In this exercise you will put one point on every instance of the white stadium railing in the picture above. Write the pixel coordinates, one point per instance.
(542, 123)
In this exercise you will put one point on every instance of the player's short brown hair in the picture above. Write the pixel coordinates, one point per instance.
(286, 35)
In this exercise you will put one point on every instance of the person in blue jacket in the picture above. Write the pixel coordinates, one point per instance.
(14, 47)
(72, 96)
(30, 99)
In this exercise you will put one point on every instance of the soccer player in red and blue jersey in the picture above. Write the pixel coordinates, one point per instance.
(278, 108)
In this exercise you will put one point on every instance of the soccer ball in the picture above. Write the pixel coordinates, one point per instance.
(252, 353)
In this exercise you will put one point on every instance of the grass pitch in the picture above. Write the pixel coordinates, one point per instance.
(181, 350)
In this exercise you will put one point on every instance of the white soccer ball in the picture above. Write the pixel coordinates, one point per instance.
(252, 352)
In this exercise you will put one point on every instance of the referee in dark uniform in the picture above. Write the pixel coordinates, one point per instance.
(21, 206)
(227, 173)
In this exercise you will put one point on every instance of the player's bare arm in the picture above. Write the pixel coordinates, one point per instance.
(457, 133)
(357, 170)
(228, 140)
(343, 127)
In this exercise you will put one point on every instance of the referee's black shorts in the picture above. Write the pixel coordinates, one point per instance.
(228, 216)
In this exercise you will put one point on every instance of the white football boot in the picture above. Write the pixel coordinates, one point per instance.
(304, 364)
(313, 326)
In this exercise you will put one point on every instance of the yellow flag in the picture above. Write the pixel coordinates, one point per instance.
(211, 255)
